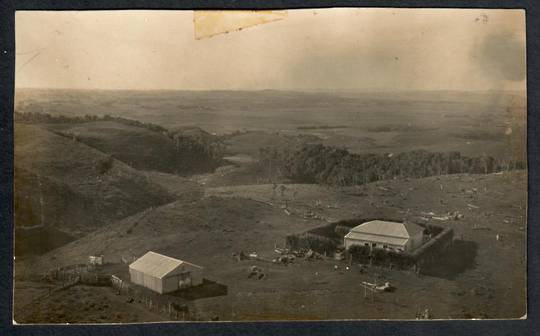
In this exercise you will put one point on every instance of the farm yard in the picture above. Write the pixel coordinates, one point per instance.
(246, 208)
(467, 281)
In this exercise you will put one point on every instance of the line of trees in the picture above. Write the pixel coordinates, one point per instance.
(46, 118)
(316, 163)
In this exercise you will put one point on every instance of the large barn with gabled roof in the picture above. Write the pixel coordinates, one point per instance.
(164, 274)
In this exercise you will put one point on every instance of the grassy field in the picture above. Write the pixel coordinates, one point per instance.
(138, 147)
(58, 184)
(240, 218)
(108, 187)
(84, 304)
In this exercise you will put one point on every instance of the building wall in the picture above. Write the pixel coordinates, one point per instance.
(170, 284)
(171, 280)
(348, 242)
(146, 280)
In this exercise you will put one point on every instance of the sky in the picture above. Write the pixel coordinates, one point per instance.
(324, 49)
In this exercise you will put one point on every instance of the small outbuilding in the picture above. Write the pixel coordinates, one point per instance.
(164, 274)
(391, 236)
(96, 260)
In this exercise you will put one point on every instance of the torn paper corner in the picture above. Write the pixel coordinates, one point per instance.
(208, 23)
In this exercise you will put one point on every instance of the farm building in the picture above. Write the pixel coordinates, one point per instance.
(164, 274)
(392, 236)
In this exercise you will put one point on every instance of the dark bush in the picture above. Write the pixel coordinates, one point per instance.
(327, 231)
(360, 250)
(312, 241)
(381, 257)
(104, 165)
(432, 229)
(341, 230)
(400, 260)
(292, 241)
(360, 253)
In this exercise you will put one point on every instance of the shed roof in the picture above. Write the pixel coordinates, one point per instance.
(389, 229)
(157, 265)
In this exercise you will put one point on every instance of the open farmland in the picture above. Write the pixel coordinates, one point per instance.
(332, 164)
(240, 219)
(472, 123)
(115, 189)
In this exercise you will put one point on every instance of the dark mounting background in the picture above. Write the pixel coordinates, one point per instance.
(7, 63)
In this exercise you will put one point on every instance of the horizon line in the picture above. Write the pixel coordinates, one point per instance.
(305, 90)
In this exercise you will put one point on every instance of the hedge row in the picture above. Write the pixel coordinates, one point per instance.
(308, 240)
(327, 239)
(364, 254)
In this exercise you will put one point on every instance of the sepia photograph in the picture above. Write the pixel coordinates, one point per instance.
(269, 165)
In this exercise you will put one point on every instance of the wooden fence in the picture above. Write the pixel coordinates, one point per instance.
(172, 307)
(431, 250)
(165, 305)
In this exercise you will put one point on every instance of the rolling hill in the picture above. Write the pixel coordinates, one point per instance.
(182, 151)
(251, 218)
(63, 184)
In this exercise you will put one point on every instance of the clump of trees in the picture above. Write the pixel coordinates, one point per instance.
(316, 163)
(196, 147)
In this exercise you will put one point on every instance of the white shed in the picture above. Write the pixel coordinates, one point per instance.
(392, 236)
(164, 274)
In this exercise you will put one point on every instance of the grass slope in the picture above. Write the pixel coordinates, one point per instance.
(58, 184)
(230, 219)
(139, 147)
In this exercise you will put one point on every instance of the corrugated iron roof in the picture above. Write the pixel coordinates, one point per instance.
(157, 265)
(377, 238)
(392, 229)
